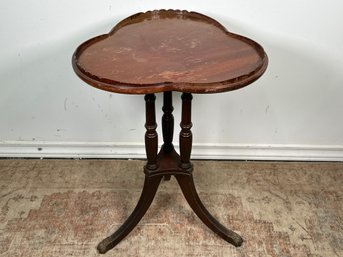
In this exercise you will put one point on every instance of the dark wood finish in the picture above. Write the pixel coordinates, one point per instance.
(144, 202)
(151, 140)
(166, 164)
(165, 51)
(188, 189)
(169, 50)
(186, 137)
(167, 122)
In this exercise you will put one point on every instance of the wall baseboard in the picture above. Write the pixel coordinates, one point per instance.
(35, 149)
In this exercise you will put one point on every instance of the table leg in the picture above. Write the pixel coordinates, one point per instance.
(186, 137)
(151, 183)
(186, 180)
(149, 190)
(151, 140)
(189, 191)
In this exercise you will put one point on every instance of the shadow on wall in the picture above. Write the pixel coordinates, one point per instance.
(294, 102)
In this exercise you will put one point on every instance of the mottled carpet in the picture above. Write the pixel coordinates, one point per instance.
(65, 207)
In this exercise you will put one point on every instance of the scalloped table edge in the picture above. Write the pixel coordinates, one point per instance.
(199, 88)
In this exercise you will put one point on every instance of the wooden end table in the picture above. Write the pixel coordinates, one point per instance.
(165, 51)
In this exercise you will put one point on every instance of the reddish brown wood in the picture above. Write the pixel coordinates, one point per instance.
(169, 50)
(165, 51)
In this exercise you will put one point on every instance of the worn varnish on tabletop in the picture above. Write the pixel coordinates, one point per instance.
(168, 50)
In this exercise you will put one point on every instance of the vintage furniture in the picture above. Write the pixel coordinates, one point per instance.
(165, 51)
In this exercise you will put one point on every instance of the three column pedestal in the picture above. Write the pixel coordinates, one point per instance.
(164, 164)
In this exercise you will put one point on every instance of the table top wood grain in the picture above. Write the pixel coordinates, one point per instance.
(169, 50)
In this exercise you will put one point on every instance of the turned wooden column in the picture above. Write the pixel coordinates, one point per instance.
(167, 122)
(151, 138)
(186, 133)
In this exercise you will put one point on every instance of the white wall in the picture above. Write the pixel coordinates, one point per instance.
(293, 112)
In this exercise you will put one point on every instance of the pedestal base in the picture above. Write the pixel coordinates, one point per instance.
(165, 164)
(168, 164)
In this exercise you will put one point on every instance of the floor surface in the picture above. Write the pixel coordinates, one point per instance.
(65, 207)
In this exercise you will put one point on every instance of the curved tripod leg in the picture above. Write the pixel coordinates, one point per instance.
(149, 190)
(188, 189)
